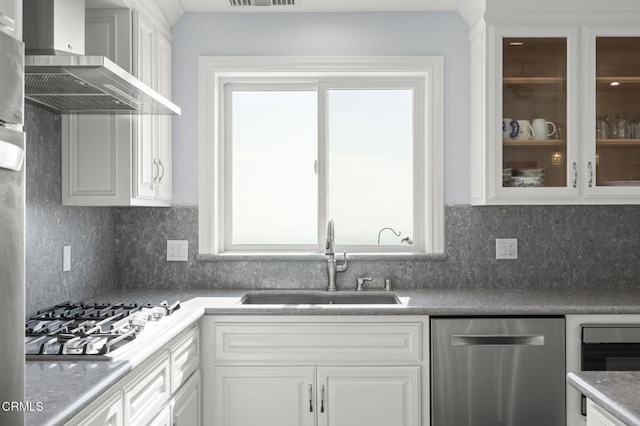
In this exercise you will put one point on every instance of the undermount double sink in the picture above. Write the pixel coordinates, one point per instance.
(298, 297)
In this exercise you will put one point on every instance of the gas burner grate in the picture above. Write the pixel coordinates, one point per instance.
(88, 330)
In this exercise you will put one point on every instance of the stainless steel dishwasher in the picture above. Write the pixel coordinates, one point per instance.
(497, 371)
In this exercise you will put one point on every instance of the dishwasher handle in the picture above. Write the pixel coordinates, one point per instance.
(497, 340)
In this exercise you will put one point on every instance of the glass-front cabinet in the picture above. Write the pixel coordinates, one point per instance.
(534, 112)
(556, 114)
(613, 114)
(537, 82)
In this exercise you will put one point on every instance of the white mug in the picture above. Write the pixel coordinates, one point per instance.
(541, 128)
(509, 129)
(525, 131)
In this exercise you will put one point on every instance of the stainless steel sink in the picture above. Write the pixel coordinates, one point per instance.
(276, 297)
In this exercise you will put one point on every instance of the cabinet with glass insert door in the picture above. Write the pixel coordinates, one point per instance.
(612, 114)
(528, 151)
(538, 153)
(555, 108)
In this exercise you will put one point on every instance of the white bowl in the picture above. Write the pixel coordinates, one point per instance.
(530, 172)
(526, 181)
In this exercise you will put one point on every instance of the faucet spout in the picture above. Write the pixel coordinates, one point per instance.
(329, 246)
(332, 265)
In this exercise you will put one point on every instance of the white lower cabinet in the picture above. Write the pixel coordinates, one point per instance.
(371, 396)
(260, 396)
(332, 396)
(597, 416)
(164, 391)
(162, 419)
(187, 403)
(308, 371)
(144, 397)
(107, 413)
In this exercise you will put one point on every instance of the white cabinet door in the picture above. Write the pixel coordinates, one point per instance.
(369, 396)
(146, 168)
(96, 148)
(163, 418)
(10, 19)
(163, 122)
(186, 406)
(597, 416)
(264, 396)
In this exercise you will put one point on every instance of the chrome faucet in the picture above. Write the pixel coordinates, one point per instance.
(332, 265)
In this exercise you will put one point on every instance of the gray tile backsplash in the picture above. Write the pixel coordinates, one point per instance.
(558, 246)
(50, 226)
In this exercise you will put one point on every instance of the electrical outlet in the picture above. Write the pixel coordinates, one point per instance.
(177, 250)
(506, 248)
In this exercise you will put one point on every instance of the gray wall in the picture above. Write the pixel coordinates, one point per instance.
(49, 226)
(558, 247)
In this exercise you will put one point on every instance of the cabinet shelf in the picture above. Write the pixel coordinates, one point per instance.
(617, 142)
(537, 143)
(534, 80)
(619, 79)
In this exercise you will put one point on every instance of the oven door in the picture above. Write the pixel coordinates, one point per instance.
(610, 347)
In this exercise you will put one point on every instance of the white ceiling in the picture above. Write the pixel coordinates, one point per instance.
(324, 6)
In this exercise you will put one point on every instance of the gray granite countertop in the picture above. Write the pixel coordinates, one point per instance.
(82, 381)
(618, 392)
(462, 301)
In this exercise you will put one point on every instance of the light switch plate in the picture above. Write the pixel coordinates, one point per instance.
(66, 258)
(177, 250)
(506, 248)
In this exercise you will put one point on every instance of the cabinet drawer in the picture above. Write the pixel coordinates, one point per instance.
(185, 358)
(597, 416)
(147, 393)
(108, 413)
(318, 342)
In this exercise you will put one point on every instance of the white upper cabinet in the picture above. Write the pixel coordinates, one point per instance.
(11, 18)
(545, 83)
(122, 160)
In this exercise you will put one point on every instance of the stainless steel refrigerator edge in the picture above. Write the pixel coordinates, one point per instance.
(12, 223)
(498, 371)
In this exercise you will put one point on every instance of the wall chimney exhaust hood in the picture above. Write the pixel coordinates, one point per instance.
(60, 78)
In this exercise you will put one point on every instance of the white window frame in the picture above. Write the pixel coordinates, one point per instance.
(216, 71)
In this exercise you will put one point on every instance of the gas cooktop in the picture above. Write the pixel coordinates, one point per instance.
(90, 330)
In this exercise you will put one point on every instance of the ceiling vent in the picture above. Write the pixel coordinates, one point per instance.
(250, 3)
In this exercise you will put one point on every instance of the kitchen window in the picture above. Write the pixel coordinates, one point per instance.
(287, 143)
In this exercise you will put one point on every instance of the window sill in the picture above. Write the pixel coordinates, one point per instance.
(315, 257)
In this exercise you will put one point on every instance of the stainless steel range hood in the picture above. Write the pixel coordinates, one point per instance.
(60, 79)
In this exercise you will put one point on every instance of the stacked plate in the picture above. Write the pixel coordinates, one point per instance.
(527, 177)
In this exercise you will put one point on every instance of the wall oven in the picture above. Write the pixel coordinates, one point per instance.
(610, 347)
